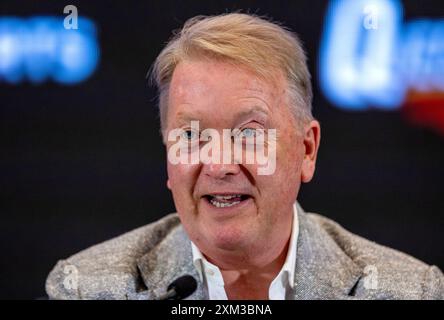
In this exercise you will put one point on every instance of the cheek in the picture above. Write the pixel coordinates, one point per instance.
(181, 178)
(292, 162)
(286, 179)
(182, 182)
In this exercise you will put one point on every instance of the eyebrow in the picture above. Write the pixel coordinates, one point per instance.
(254, 109)
(184, 117)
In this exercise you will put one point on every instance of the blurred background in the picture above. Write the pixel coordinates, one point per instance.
(81, 155)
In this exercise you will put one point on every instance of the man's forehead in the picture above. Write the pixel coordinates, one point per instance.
(198, 79)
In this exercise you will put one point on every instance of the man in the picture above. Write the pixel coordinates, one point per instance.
(235, 108)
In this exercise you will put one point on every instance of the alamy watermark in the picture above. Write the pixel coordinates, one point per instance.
(71, 21)
(371, 17)
(71, 279)
(234, 146)
(371, 277)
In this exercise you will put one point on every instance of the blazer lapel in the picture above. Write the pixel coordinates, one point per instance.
(323, 270)
(170, 259)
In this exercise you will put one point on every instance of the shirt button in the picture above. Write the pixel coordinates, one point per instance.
(211, 272)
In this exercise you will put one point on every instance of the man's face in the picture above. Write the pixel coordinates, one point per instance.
(222, 96)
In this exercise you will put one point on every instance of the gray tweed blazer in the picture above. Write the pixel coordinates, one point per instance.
(331, 263)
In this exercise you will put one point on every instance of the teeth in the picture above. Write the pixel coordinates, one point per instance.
(227, 197)
(223, 204)
(223, 201)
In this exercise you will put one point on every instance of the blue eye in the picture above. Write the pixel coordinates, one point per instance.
(189, 135)
(248, 132)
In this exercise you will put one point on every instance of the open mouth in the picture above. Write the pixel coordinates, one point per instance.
(226, 200)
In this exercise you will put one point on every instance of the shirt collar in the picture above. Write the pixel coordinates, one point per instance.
(290, 261)
(201, 263)
(198, 259)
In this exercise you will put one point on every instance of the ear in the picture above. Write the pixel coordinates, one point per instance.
(168, 184)
(312, 139)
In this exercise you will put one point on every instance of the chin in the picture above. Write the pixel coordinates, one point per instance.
(229, 237)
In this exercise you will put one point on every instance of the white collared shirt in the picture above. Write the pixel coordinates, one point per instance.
(213, 281)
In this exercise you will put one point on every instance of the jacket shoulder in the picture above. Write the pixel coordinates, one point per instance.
(387, 273)
(107, 270)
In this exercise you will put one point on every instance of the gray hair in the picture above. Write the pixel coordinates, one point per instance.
(245, 39)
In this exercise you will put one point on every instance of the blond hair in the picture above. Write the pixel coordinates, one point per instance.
(248, 40)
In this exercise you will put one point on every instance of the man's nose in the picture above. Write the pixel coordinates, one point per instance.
(220, 171)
